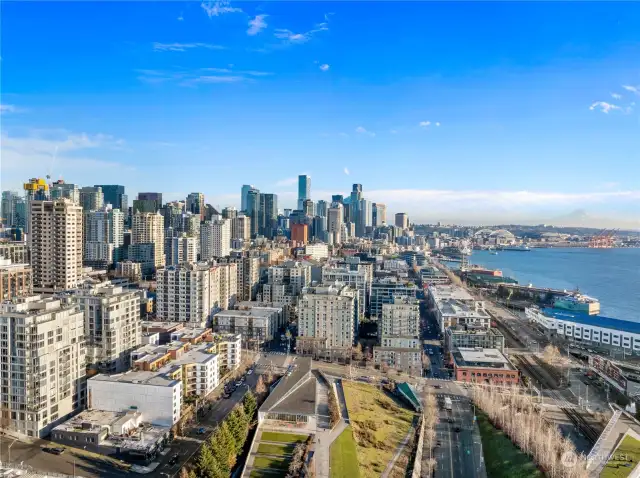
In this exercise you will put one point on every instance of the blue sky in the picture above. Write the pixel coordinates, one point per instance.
(482, 112)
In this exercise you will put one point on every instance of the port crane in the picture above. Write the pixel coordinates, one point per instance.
(603, 240)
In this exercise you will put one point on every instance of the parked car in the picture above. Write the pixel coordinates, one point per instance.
(202, 431)
(174, 459)
(54, 450)
(250, 371)
(456, 429)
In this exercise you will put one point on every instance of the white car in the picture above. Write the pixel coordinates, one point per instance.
(249, 372)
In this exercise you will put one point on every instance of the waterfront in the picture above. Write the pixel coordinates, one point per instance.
(610, 275)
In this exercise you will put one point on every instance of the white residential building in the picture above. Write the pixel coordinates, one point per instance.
(215, 239)
(181, 250)
(55, 241)
(317, 251)
(229, 349)
(335, 223)
(241, 227)
(43, 341)
(285, 282)
(157, 396)
(148, 228)
(200, 370)
(455, 306)
(112, 325)
(357, 279)
(328, 314)
(103, 236)
(255, 324)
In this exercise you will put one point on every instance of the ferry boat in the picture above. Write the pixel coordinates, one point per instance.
(578, 303)
(520, 247)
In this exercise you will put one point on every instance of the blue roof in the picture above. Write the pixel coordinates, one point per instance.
(594, 320)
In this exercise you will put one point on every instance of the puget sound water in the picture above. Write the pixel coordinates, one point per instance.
(610, 275)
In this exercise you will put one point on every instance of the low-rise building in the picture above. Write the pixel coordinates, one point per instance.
(157, 396)
(129, 269)
(317, 251)
(431, 275)
(454, 306)
(16, 280)
(200, 370)
(483, 366)
(229, 349)
(257, 325)
(467, 337)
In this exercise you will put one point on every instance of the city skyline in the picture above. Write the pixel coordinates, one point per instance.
(540, 128)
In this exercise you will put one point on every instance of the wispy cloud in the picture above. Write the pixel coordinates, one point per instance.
(362, 130)
(215, 8)
(346, 171)
(287, 182)
(257, 24)
(289, 37)
(7, 109)
(604, 107)
(180, 17)
(197, 76)
(157, 46)
(437, 123)
(324, 67)
(424, 124)
(616, 96)
(632, 89)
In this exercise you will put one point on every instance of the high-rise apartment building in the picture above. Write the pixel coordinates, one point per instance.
(402, 220)
(103, 232)
(254, 211)
(326, 319)
(300, 233)
(195, 204)
(304, 189)
(62, 190)
(148, 228)
(269, 204)
(112, 325)
(147, 202)
(334, 223)
(43, 341)
(285, 282)
(365, 217)
(56, 244)
(229, 212)
(308, 208)
(8, 211)
(357, 278)
(91, 198)
(215, 239)
(244, 196)
(16, 280)
(241, 227)
(181, 249)
(399, 332)
(379, 214)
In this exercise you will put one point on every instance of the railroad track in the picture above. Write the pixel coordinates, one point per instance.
(581, 424)
(507, 332)
(550, 369)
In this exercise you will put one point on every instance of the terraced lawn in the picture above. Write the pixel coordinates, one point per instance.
(283, 437)
(344, 456)
(623, 460)
(270, 449)
(379, 424)
(271, 463)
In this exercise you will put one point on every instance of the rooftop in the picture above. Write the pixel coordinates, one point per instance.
(479, 357)
(442, 292)
(259, 312)
(457, 308)
(157, 379)
(295, 393)
(199, 354)
(593, 320)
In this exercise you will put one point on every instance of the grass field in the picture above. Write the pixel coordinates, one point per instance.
(272, 463)
(283, 437)
(624, 459)
(344, 457)
(280, 450)
(379, 425)
(502, 457)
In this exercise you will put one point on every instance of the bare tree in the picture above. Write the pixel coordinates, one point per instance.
(357, 352)
(551, 354)
(260, 386)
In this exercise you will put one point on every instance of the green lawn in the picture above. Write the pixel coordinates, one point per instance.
(502, 457)
(272, 463)
(344, 457)
(280, 450)
(283, 437)
(628, 452)
(266, 474)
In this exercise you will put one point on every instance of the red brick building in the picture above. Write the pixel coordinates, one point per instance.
(483, 366)
(300, 233)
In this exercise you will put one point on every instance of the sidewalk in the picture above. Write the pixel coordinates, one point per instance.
(399, 450)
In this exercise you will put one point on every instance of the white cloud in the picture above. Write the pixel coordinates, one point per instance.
(324, 67)
(424, 124)
(55, 153)
(7, 109)
(157, 46)
(604, 106)
(616, 96)
(287, 182)
(257, 25)
(208, 75)
(215, 8)
(290, 37)
(632, 89)
(346, 171)
(362, 130)
(437, 123)
(181, 17)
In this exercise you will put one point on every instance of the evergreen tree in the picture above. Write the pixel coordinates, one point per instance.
(229, 444)
(207, 465)
(221, 448)
(250, 405)
(239, 427)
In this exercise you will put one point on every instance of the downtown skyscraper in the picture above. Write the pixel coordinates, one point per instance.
(304, 190)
